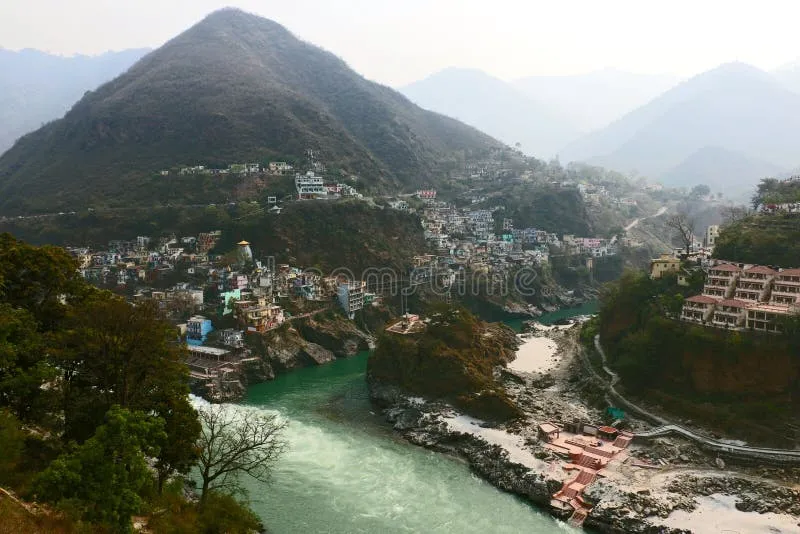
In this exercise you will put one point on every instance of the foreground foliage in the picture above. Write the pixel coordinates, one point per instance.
(93, 393)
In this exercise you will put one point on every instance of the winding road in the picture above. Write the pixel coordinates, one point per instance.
(666, 427)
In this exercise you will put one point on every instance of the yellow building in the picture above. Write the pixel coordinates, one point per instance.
(664, 265)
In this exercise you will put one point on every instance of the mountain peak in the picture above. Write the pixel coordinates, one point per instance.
(234, 87)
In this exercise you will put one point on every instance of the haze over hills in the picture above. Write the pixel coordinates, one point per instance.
(593, 100)
(789, 76)
(494, 107)
(36, 87)
(735, 107)
(235, 87)
(731, 173)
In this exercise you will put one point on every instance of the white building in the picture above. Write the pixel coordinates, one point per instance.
(309, 185)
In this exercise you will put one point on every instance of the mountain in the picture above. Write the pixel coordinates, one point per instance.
(735, 107)
(789, 76)
(593, 100)
(233, 88)
(36, 87)
(722, 170)
(494, 107)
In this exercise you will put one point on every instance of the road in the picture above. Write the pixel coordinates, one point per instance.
(633, 224)
(667, 427)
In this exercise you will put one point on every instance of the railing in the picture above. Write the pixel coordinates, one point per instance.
(782, 456)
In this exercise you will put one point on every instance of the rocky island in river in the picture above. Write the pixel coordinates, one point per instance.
(523, 412)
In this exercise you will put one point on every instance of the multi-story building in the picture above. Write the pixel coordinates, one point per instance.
(766, 317)
(197, 330)
(259, 315)
(698, 309)
(731, 313)
(786, 288)
(351, 296)
(309, 185)
(721, 280)
(712, 232)
(755, 283)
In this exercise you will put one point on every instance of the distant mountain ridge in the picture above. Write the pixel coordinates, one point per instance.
(734, 107)
(595, 99)
(36, 87)
(495, 107)
(234, 87)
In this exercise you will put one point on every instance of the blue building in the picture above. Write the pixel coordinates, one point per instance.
(197, 330)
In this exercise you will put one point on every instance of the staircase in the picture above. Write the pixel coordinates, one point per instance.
(578, 517)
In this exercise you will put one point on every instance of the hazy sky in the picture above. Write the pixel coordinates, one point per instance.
(399, 41)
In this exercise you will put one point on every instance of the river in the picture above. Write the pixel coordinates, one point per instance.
(345, 471)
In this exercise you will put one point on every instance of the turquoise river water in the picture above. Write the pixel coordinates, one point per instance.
(345, 471)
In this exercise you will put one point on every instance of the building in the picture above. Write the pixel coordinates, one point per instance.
(698, 309)
(309, 186)
(276, 167)
(664, 265)
(245, 253)
(767, 317)
(756, 297)
(730, 313)
(721, 281)
(426, 194)
(197, 330)
(712, 232)
(232, 337)
(259, 315)
(351, 296)
(786, 288)
(755, 283)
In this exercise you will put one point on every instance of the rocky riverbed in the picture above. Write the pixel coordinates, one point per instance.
(665, 486)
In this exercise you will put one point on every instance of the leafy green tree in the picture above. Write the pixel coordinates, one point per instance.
(23, 367)
(42, 280)
(12, 443)
(114, 353)
(104, 478)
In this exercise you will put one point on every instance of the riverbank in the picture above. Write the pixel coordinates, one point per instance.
(662, 486)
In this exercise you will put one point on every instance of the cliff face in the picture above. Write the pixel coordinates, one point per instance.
(336, 334)
(454, 359)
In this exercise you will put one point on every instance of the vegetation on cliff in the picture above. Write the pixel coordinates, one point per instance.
(233, 88)
(745, 383)
(454, 359)
(765, 239)
(325, 235)
(95, 419)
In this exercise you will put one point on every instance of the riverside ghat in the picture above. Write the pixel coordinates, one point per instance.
(565, 455)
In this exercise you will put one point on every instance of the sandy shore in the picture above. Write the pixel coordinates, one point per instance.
(536, 355)
(717, 514)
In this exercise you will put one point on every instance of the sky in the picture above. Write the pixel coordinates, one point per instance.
(396, 42)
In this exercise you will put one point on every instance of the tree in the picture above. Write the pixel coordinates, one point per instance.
(114, 353)
(683, 226)
(104, 478)
(23, 366)
(732, 214)
(234, 444)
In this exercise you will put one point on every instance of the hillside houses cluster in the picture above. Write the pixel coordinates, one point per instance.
(311, 186)
(192, 287)
(273, 167)
(741, 296)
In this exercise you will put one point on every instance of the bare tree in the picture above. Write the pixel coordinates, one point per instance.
(235, 443)
(683, 225)
(732, 214)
